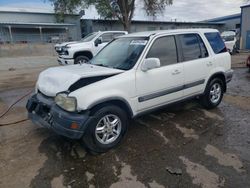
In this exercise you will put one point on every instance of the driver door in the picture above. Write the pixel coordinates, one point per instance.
(163, 85)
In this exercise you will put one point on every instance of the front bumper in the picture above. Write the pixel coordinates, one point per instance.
(44, 112)
(229, 75)
(63, 61)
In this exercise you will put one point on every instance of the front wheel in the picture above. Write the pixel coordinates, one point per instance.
(81, 60)
(213, 94)
(106, 130)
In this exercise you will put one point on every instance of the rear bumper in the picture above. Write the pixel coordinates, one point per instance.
(63, 61)
(229, 75)
(44, 112)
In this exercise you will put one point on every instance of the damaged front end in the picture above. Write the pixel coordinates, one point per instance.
(53, 107)
(43, 111)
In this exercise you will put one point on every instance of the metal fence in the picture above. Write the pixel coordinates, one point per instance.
(33, 38)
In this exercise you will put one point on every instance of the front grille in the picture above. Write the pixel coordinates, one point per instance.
(45, 96)
(42, 98)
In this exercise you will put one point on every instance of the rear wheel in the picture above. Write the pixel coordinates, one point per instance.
(213, 94)
(81, 59)
(106, 130)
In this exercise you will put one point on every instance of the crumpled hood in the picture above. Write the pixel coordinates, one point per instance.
(59, 79)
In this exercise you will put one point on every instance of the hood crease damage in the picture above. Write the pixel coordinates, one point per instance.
(73, 77)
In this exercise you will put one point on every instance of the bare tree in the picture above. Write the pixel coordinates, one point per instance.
(123, 10)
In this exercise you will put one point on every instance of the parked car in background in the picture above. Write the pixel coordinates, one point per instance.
(230, 40)
(133, 75)
(82, 51)
(248, 62)
(53, 39)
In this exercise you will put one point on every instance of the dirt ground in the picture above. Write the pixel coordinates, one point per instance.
(181, 146)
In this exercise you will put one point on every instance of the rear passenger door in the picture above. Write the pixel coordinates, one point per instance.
(196, 63)
(162, 85)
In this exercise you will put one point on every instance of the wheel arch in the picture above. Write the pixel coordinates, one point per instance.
(220, 75)
(117, 101)
(84, 53)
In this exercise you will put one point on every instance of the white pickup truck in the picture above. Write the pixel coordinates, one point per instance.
(82, 51)
(133, 75)
(229, 37)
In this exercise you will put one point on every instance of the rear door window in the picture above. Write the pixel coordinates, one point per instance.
(164, 48)
(190, 44)
(216, 42)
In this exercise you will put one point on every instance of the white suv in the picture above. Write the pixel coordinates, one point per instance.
(133, 75)
(82, 51)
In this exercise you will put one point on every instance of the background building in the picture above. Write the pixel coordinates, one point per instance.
(92, 25)
(19, 25)
(26, 26)
(245, 27)
(231, 22)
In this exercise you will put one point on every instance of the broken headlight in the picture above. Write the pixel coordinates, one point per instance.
(65, 102)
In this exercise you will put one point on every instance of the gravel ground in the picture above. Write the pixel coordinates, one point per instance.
(181, 146)
(23, 71)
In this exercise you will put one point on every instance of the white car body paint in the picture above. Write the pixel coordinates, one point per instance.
(59, 79)
(231, 43)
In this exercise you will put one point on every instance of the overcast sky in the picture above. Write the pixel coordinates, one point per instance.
(182, 10)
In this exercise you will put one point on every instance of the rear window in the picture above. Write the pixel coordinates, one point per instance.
(216, 42)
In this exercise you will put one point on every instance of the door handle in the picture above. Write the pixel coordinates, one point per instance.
(209, 64)
(176, 72)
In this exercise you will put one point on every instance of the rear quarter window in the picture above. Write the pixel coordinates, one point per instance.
(216, 42)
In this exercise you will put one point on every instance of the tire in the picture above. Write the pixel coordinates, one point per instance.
(209, 100)
(95, 142)
(81, 59)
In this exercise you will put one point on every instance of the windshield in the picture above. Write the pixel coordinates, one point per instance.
(122, 53)
(89, 37)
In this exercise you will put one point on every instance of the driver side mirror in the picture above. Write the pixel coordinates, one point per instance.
(98, 41)
(151, 63)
